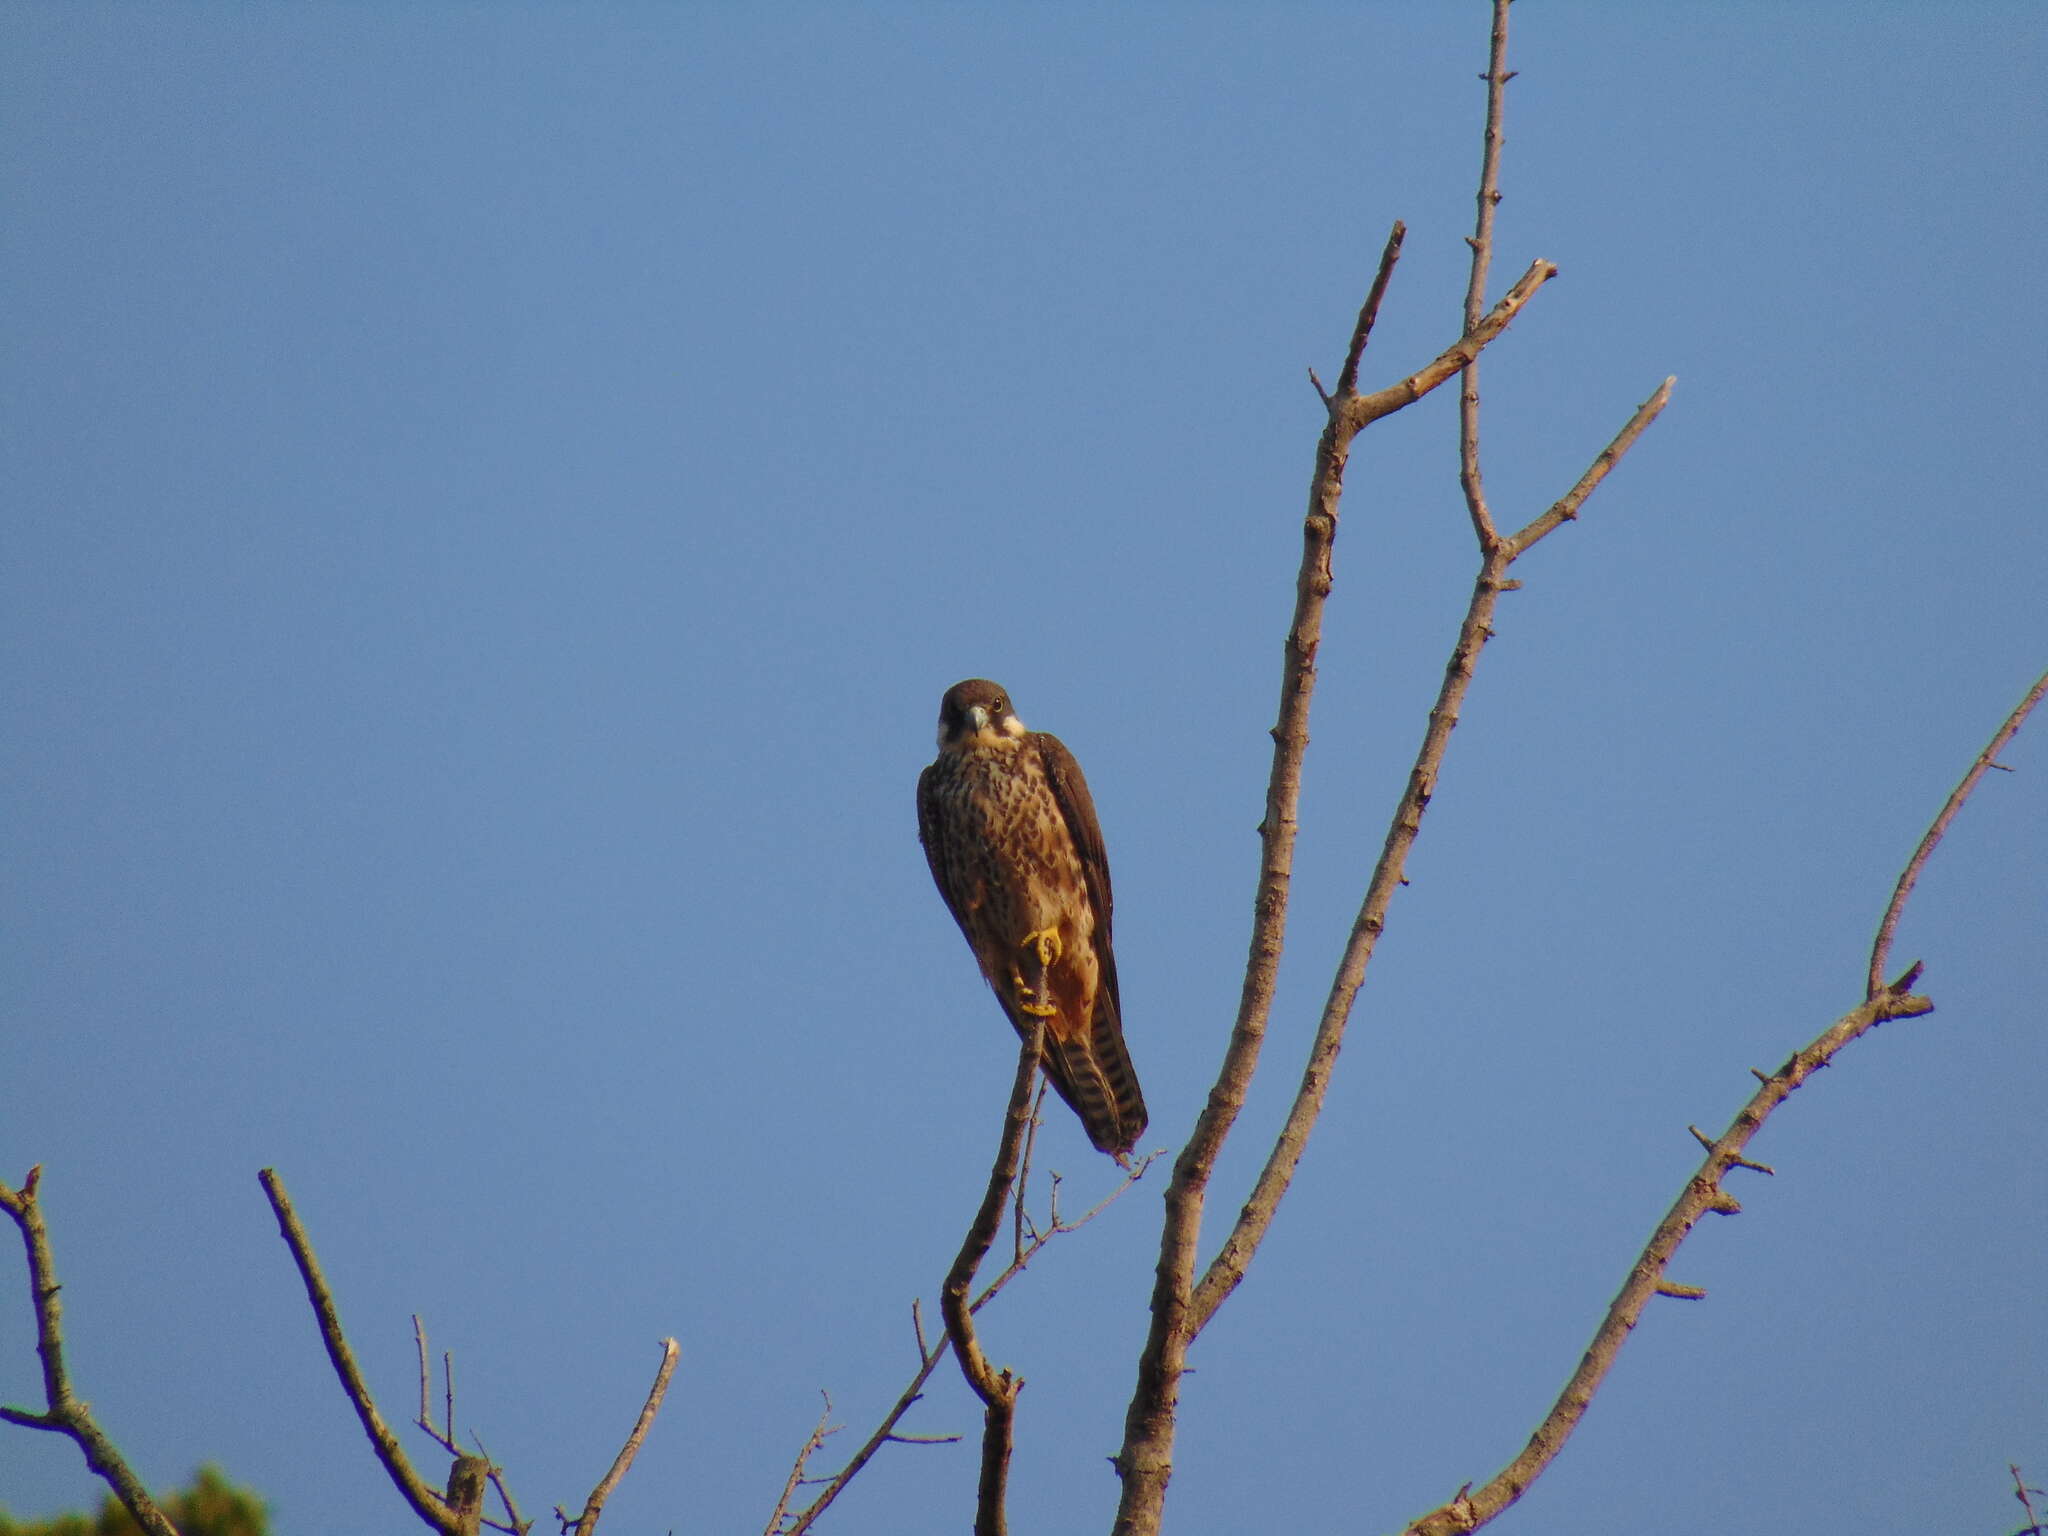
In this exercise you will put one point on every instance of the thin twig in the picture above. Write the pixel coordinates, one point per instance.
(1566, 507)
(930, 1355)
(594, 1505)
(796, 1479)
(997, 1389)
(1880, 952)
(419, 1341)
(1469, 479)
(1496, 77)
(445, 1438)
(881, 1437)
(1059, 1227)
(2024, 1494)
(1024, 1176)
(425, 1501)
(1369, 312)
(64, 1414)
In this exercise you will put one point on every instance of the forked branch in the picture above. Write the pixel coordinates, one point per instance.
(63, 1413)
(459, 1510)
(930, 1353)
(799, 1474)
(1180, 1307)
(1389, 874)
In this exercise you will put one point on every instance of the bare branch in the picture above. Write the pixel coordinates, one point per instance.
(514, 1525)
(1350, 413)
(928, 1362)
(1228, 1267)
(1475, 291)
(445, 1438)
(1566, 507)
(1880, 953)
(1702, 1194)
(1363, 410)
(2023, 1493)
(426, 1503)
(1180, 1308)
(1368, 313)
(1021, 1220)
(820, 1431)
(594, 1505)
(426, 1416)
(929, 1355)
(1060, 1228)
(997, 1389)
(64, 1414)
(1145, 1460)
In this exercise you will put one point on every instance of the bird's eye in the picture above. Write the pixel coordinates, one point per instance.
(1000, 708)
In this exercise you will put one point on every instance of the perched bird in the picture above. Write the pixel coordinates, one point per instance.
(1009, 830)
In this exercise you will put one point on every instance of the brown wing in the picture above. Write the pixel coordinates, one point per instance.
(1077, 808)
(930, 831)
(1093, 1070)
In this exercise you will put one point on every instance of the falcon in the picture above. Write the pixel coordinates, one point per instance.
(1009, 830)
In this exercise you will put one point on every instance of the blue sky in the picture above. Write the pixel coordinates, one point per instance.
(497, 493)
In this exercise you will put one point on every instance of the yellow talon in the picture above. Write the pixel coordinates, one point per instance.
(1047, 942)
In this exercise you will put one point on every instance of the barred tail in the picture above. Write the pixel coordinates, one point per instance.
(1095, 1076)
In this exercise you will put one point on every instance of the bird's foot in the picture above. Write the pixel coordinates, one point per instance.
(1029, 997)
(1047, 942)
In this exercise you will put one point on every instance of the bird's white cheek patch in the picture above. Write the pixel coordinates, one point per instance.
(1012, 726)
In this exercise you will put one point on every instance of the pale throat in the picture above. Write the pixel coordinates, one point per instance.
(1002, 735)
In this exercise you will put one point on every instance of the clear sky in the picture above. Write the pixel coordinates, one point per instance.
(494, 495)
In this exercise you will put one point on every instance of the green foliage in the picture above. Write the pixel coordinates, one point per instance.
(212, 1506)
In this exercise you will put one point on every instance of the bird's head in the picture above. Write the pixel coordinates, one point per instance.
(976, 712)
